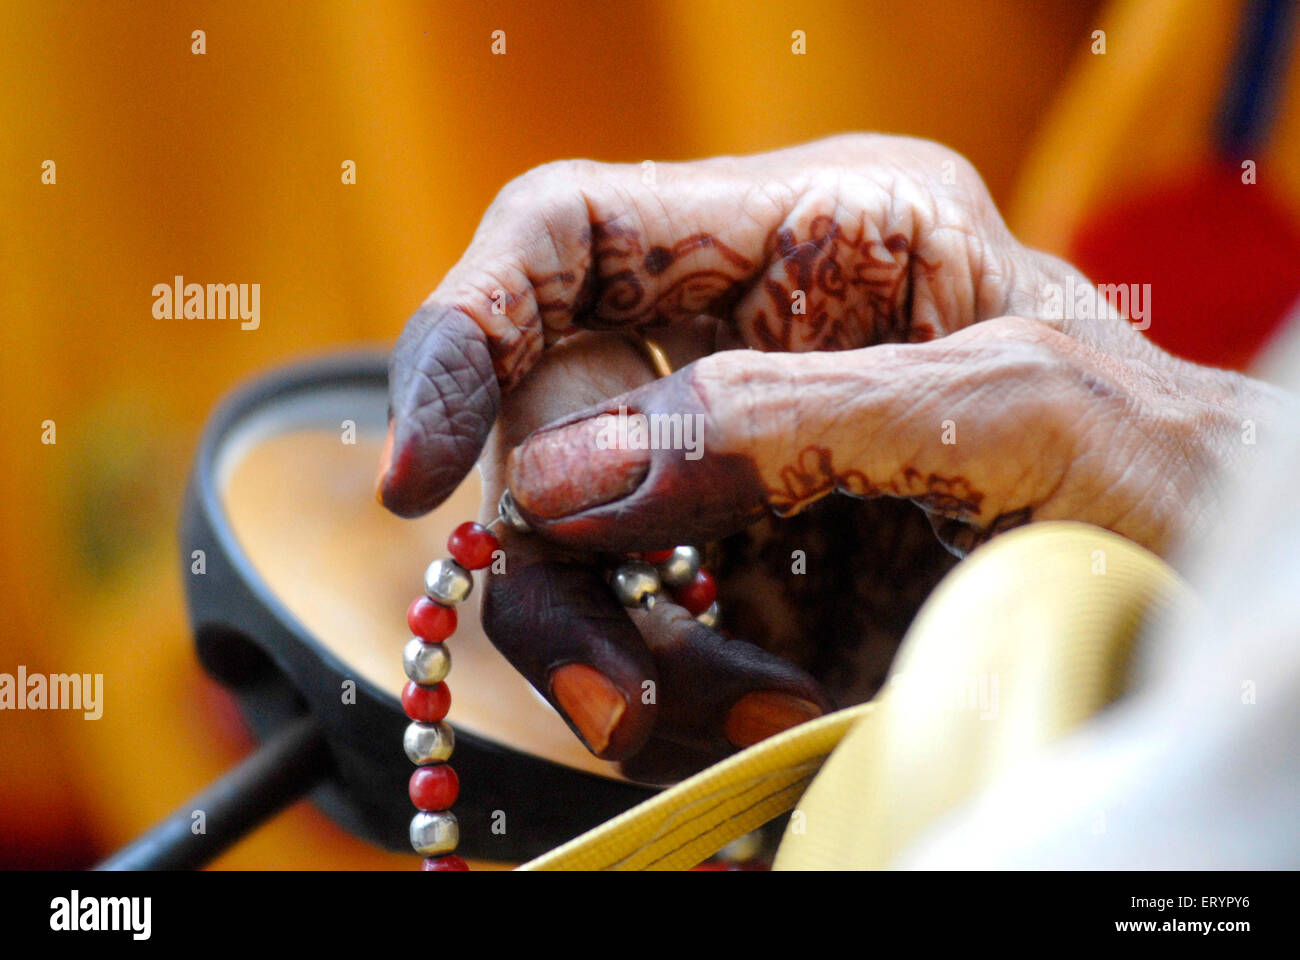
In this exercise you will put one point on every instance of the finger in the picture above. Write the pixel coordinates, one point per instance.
(662, 762)
(567, 246)
(550, 612)
(977, 427)
(585, 480)
(443, 400)
(557, 622)
(717, 694)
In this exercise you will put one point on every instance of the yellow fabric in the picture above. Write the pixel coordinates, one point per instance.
(690, 822)
(1021, 643)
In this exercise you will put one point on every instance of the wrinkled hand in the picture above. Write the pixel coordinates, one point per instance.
(939, 377)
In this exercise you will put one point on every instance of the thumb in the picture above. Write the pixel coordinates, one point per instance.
(647, 470)
(680, 460)
(700, 454)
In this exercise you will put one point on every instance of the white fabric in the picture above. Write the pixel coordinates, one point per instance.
(1199, 767)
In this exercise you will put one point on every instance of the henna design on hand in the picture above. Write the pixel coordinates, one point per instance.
(951, 502)
(856, 288)
(813, 475)
(620, 261)
(857, 291)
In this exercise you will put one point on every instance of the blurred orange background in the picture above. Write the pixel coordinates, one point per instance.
(225, 167)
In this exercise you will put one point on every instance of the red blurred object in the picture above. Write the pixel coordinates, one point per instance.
(1222, 258)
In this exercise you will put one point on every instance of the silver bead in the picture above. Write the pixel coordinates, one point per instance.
(635, 584)
(680, 568)
(447, 582)
(711, 616)
(509, 514)
(434, 833)
(426, 663)
(428, 743)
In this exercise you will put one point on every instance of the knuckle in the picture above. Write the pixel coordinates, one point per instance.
(729, 389)
(965, 171)
(549, 180)
(719, 377)
(942, 163)
(1028, 331)
(1022, 349)
(708, 391)
(859, 143)
(710, 371)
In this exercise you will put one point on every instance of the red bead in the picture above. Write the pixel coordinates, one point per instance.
(658, 556)
(426, 704)
(431, 622)
(450, 862)
(697, 595)
(472, 546)
(434, 788)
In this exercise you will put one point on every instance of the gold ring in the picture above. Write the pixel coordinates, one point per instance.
(654, 355)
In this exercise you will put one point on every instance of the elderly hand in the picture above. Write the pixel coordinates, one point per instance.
(849, 316)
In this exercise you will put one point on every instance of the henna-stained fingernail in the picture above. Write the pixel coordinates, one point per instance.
(572, 468)
(591, 701)
(757, 716)
(385, 464)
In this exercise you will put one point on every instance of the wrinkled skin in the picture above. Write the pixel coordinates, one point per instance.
(848, 317)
